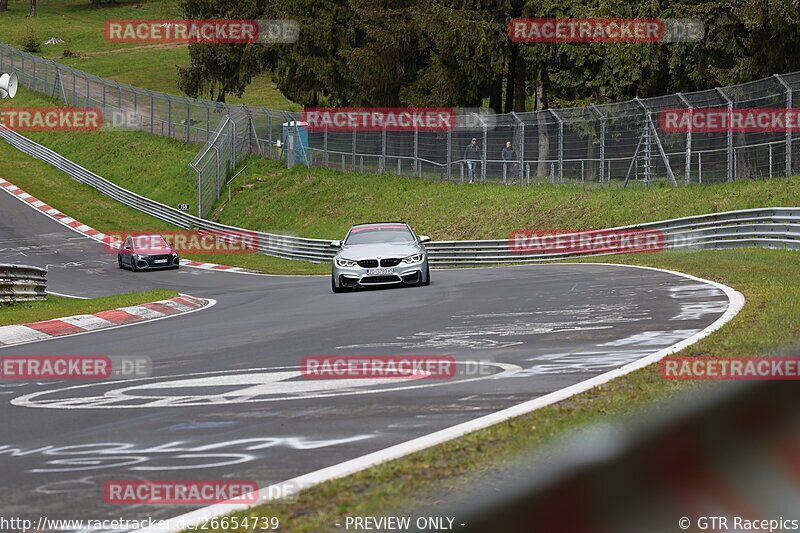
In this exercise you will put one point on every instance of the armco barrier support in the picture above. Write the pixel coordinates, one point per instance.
(20, 283)
(769, 227)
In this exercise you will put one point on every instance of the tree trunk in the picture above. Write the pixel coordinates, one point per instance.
(511, 79)
(3, 5)
(544, 123)
(520, 94)
(33, 9)
(496, 95)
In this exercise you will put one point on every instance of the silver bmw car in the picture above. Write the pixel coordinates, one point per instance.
(383, 253)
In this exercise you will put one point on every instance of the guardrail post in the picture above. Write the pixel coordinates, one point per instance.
(602, 142)
(729, 176)
(688, 164)
(788, 130)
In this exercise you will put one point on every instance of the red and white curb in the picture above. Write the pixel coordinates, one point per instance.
(114, 318)
(92, 233)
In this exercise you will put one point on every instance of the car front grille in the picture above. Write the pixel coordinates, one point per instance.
(151, 260)
(379, 279)
(368, 263)
(391, 262)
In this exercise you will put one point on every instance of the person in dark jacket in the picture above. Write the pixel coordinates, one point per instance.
(472, 154)
(509, 156)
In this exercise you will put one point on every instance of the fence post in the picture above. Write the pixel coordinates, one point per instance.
(688, 165)
(521, 144)
(788, 130)
(602, 142)
(199, 196)
(169, 116)
(730, 134)
(354, 150)
(382, 165)
(188, 117)
(216, 151)
(449, 154)
(560, 146)
(325, 145)
(416, 148)
(483, 154)
(233, 143)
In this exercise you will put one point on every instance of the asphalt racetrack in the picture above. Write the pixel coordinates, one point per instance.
(225, 399)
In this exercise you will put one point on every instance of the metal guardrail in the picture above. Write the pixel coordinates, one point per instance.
(20, 283)
(772, 227)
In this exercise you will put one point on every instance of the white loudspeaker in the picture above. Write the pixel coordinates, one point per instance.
(8, 85)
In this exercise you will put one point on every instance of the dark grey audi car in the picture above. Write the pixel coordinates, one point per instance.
(383, 253)
(147, 252)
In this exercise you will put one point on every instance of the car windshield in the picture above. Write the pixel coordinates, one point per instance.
(378, 234)
(149, 242)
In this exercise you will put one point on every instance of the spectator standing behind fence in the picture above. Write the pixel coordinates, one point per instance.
(472, 154)
(509, 156)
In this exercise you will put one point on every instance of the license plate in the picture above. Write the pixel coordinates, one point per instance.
(160, 261)
(380, 271)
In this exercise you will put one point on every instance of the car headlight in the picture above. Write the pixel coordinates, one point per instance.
(411, 259)
(345, 262)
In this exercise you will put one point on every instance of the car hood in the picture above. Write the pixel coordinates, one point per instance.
(357, 252)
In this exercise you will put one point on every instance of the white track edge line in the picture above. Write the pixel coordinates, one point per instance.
(736, 301)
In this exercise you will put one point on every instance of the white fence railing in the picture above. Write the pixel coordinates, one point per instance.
(772, 227)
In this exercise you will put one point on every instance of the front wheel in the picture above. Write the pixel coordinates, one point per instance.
(427, 276)
(119, 261)
(334, 288)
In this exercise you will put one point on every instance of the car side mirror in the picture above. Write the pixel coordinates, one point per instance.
(336, 244)
(424, 238)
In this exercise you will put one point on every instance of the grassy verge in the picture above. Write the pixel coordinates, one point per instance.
(769, 279)
(147, 66)
(55, 306)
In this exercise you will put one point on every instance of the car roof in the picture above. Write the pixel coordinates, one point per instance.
(379, 223)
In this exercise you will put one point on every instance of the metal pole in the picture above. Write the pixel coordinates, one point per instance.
(699, 167)
(521, 126)
(188, 117)
(688, 165)
(788, 130)
(325, 145)
(560, 146)
(152, 110)
(602, 142)
(449, 154)
(382, 166)
(199, 201)
(483, 155)
(730, 134)
(416, 149)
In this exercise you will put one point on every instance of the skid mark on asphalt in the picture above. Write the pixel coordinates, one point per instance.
(491, 331)
(170, 456)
